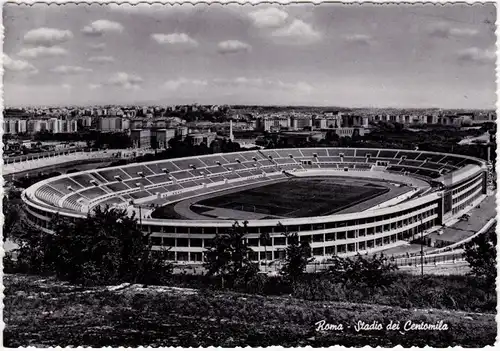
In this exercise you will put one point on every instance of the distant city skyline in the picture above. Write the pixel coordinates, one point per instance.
(390, 56)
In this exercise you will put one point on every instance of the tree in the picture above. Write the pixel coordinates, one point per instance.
(11, 213)
(265, 238)
(228, 256)
(481, 255)
(370, 273)
(32, 253)
(297, 256)
(107, 247)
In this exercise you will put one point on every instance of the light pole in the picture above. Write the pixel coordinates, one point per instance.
(421, 245)
(140, 212)
(265, 237)
(140, 216)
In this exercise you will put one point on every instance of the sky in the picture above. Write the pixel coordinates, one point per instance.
(403, 56)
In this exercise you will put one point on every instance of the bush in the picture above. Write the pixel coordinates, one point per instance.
(481, 254)
(105, 248)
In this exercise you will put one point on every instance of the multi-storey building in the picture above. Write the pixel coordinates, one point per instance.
(141, 138)
(443, 187)
(110, 124)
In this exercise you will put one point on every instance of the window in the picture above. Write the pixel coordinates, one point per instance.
(195, 256)
(330, 225)
(281, 240)
(182, 242)
(318, 238)
(253, 242)
(318, 226)
(318, 251)
(269, 255)
(156, 241)
(170, 256)
(209, 230)
(155, 229)
(253, 256)
(182, 256)
(305, 227)
(263, 242)
(330, 250)
(305, 238)
(330, 237)
(196, 242)
(279, 254)
(208, 242)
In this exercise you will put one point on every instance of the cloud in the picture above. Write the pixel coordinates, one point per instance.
(102, 59)
(66, 86)
(94, 86)
(152, 9)
(444, 30)
(42, 51)
(125, 80)
(476, 55)
(174, 39)
(298, 33)
(70, 70)
(359, 39)
(270, 17)
(175, 84)
(97, 46)
(263, 84)
(47, 36)
(100, 27)
(232, 47)
(18, 66)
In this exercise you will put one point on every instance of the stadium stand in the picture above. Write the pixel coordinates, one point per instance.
(159, 182)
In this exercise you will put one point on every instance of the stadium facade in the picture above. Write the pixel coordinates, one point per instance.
(453, 185)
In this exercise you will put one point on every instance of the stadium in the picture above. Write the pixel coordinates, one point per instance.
(343, 201)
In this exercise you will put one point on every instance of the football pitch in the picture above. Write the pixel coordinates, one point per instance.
(298, 197)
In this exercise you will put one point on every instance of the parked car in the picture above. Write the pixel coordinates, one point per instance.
(464, 217)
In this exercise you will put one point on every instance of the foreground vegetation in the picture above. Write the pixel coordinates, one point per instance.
(42, 312)
(233, 304)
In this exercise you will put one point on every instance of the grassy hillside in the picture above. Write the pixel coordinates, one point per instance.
(42, 312)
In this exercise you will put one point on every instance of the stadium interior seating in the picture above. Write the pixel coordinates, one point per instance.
(208, 173)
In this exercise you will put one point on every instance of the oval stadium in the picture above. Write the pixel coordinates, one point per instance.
(344, 201)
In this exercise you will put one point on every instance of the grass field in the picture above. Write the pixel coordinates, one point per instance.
(43, 312)
(298, 197)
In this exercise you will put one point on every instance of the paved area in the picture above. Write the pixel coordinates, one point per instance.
(223, 213)
(479, 216)
(365, 205)
(403, 249)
